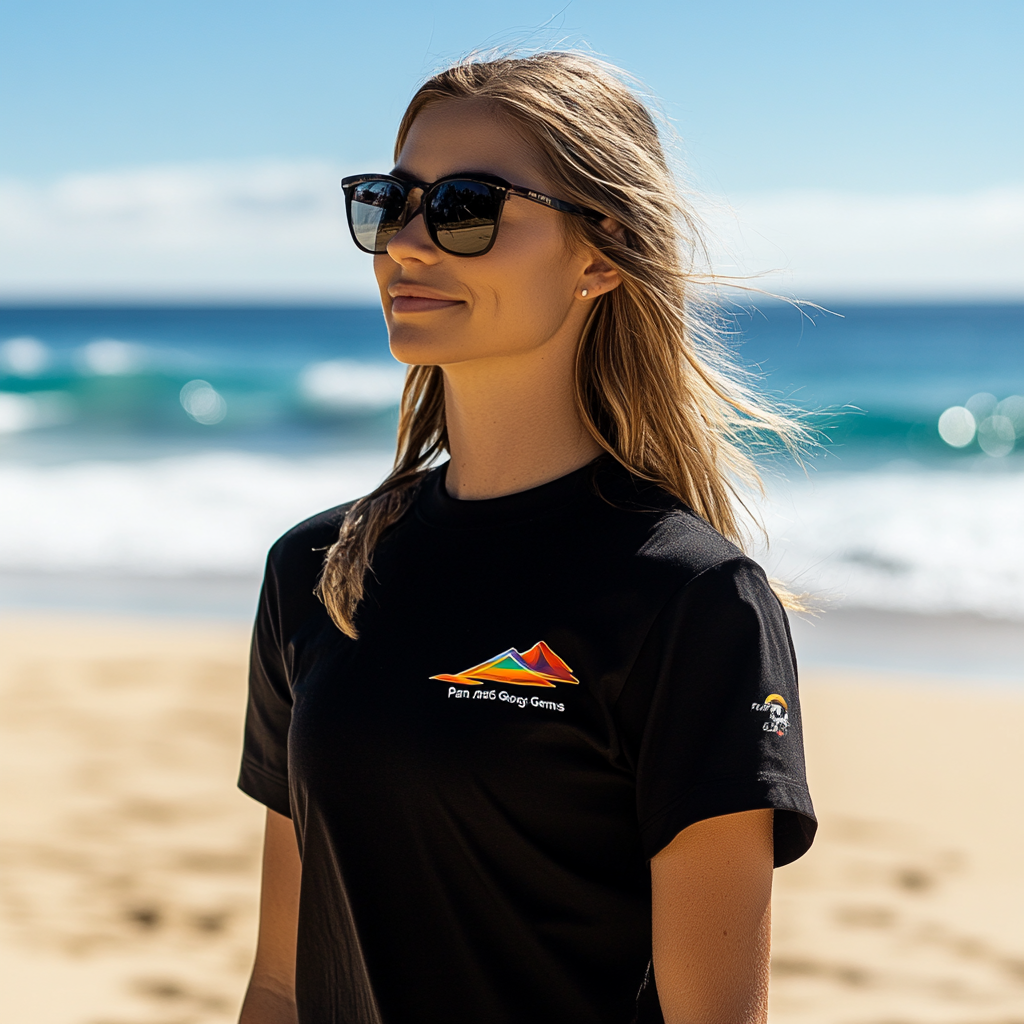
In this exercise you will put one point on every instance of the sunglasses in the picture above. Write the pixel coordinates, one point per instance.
(461, 211)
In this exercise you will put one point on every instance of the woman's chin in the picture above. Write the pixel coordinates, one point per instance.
(420, 347)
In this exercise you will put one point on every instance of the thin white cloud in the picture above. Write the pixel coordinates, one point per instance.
(276, 231)
(251, 231)
(831, 244)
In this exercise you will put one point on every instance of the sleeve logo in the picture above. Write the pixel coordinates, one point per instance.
(778, 713)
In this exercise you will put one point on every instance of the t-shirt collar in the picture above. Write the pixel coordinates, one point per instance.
(438, 508)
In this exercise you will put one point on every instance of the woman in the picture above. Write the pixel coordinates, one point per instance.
(532, 755)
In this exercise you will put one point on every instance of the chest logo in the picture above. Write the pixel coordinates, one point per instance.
(778, 714)
(539, 666)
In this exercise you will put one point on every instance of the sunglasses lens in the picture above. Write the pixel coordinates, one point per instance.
(376, 214)
(464, 215)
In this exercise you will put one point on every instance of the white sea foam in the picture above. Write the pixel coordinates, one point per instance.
(345, 385)
(914, 541)
(23, 357)
(37, 409)
(197, 514)
(109, 357)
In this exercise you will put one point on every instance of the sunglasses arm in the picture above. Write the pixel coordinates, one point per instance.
(552, 203)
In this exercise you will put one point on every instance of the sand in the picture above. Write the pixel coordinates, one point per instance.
(129, 862)
(910, 905)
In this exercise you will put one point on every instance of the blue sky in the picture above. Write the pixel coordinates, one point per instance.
(873, 97)
(192, 148)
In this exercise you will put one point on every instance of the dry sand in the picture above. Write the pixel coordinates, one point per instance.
(129, 862)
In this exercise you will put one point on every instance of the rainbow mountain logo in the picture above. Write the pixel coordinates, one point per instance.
(539, 666)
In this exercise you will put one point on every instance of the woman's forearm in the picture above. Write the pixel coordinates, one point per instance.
(712, 921)
(271, 995)
(266, 1005)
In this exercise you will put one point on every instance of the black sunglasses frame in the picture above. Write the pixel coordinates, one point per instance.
(505, 191)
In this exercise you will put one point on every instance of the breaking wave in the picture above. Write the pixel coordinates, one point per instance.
(930, 542)
(903, 539)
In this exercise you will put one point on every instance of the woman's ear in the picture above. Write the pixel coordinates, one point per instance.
(600, 276)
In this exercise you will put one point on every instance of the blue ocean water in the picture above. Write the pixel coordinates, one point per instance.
(178, 442)
(879, 377)
(108, 381)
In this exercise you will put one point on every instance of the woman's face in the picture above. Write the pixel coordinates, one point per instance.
(524, 292)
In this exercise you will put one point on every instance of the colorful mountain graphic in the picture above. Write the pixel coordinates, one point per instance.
(539, 666)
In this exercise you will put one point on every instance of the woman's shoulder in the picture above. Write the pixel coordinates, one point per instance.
(317, 532)
(689, 551)
(296, 558)
(668, 532)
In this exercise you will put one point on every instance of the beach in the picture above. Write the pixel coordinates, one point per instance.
(129, 863)
(909, 906)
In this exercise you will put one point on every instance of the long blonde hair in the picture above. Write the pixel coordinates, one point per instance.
(655, 386)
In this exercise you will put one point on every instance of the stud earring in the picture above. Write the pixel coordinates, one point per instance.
(584, 293)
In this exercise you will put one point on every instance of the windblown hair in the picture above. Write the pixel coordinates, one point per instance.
(655, 386)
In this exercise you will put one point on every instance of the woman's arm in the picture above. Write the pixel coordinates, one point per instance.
(271, 995)
(712, 888)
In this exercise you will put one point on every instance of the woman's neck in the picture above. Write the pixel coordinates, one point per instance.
(512, 424)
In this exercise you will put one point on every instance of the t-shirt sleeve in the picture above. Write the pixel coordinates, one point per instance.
(710, 712)
(264, 771)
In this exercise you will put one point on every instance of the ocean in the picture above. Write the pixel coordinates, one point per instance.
(149, 456)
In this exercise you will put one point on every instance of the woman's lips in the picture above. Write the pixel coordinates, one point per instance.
(418, 304)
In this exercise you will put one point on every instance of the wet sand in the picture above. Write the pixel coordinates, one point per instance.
(129, 862)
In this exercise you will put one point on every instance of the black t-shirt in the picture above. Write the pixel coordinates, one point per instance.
(547, 688)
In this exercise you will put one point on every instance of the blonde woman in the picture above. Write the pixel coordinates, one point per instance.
(531, 749)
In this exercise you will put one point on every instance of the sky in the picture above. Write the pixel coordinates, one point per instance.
(193, 148)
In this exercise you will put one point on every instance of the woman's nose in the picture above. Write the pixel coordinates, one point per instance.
(413, 241)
